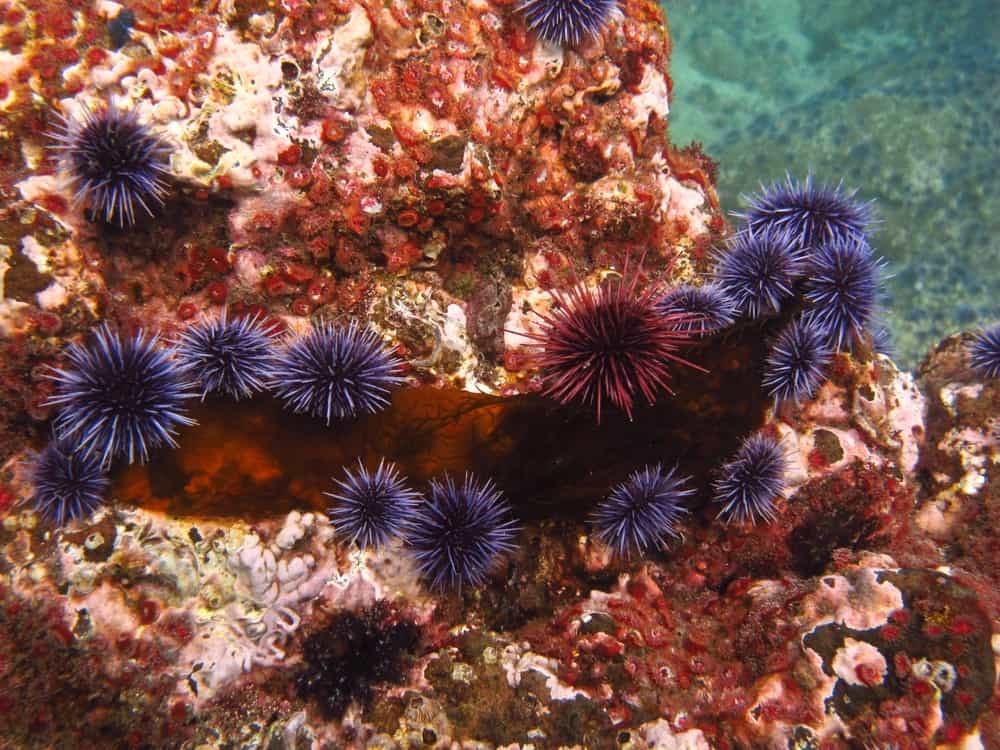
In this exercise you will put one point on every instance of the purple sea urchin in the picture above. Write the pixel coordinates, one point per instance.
(810, 214)
(843, 287)
(797, 362)
(119, 399)
(749, 482)
(372, 507)
(457, 535)
(708, 307)
(758, 270)
(117, 165)
(567, 22)
(641, 512)
(984, 352)
(611, 344)
(68, 485)
(336, 372)
(228, 355)
(882, 340)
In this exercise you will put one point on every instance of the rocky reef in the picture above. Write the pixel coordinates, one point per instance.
(432, 171)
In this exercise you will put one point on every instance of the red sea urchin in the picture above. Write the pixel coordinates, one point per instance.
(614, 343)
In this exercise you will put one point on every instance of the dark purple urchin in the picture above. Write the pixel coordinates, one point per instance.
(758, 271)
(708, 307)
(354, 654)
(749, 482)
(797, 362)
(984, 352)
(372, 507)
(810, 214)
(611, 344)
(68, 485)
(119, 399)
(843, 289)
(641, 512)
(336, 372)
(116, 164)
(567, 22)
(457, 535)
(228, 355)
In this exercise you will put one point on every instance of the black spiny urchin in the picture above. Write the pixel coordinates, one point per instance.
(355, 653)
(567, 22)
(228, 355)
(457, 535)
(843, 287)
(810, 214)
(336, 372)
(642, 511)
(708, 307)
(749, 482)
(372, 507)
(797, 362)
(984, 352)
(119, 398)
(68, 485)
(758, 270)
(117, 165)
(613, 344)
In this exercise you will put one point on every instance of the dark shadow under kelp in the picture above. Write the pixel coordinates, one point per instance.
(255, 460)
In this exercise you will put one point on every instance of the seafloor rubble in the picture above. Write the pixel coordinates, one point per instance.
(433, 169)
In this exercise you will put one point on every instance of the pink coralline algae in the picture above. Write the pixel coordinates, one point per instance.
(433, 174)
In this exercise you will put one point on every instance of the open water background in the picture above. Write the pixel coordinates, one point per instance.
(898, 99)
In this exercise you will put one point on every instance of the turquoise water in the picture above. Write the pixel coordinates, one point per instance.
(900, 100)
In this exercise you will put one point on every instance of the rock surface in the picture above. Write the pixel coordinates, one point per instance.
(432, 169)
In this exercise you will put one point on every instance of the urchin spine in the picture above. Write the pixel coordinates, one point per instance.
(797, 363)
(336, 372)
(843, 289)
(116, 164)
(811, 214)
(119, 398)
(458, 534)
(372, 507)
(613, 343)
(227, 355)
(68, 484)
(758, 271)
(984, 352)
(641, 512)
(567, 22)
(749, 482)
